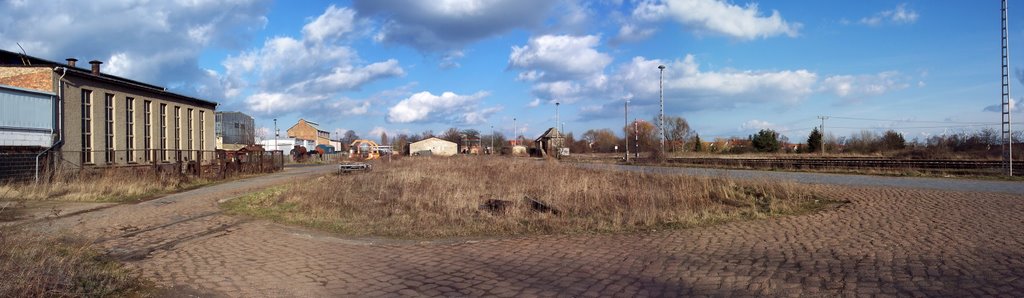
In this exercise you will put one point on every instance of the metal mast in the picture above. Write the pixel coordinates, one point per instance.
(1007, 132)
(661, 116)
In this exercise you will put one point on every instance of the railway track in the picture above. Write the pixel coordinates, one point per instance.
(825, 163)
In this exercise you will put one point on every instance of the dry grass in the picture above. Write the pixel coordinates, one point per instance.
(441, 197)
(34, 265)
(112, 186)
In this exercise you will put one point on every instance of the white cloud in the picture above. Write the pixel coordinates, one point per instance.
(157, 42)
(271, 103)
(723, 18)
(425, 106)
(434, 26)
(451, 60)
(565, 68)
(533, 104)
(350, 107)
(561, 56)
(632, 33)
(638, 26)
(861, 86)
(899, 15)
(332, 24)
(315, 66)
(479, 116)
(755, 124)
(686, 84)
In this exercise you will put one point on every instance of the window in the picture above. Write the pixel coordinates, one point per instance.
(163, 131)
(147, 126)
(177, 128)
(86, 126)
(188, 118)
(202, 130)
(129, 125)
(108, 115)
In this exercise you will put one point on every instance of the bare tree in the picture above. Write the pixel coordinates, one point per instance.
(678, 130)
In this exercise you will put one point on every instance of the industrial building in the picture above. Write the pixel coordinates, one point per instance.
(104, 120)
(234, 130)
(433, 146)
(309, 131)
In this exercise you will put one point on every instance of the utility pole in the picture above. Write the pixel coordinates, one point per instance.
(822, 141)
(492, 140)
(661, 117)
(1007, 132)
(636, 139)
(625, 129)
(277, 133)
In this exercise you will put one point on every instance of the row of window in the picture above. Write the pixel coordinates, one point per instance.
(108, 144)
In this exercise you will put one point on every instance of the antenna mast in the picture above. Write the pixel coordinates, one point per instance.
(1007, 132)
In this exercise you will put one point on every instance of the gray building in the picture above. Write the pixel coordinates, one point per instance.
(235, 128)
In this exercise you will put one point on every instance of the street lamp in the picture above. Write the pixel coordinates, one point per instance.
(625, 129)
(277, 133)
(515, 130)
(661, 117)
(492, 140)
(556, 115)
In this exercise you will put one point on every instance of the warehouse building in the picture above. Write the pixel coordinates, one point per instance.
(106, 120)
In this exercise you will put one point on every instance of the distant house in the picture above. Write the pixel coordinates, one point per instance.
(433, 146)
(310, 131)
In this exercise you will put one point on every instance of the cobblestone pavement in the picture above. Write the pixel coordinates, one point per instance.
(888, 241)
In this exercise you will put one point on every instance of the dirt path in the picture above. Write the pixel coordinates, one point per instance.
(896, 241)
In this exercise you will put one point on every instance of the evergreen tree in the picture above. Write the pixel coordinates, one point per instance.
(766, 140)
(814, 141)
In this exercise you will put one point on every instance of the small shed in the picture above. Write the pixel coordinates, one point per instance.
(433, 146)
(549, 143)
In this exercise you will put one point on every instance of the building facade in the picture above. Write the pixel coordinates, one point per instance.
(310, 131)
(235, 128)
(108, 120)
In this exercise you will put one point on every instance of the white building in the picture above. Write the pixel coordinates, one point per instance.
(433, 146)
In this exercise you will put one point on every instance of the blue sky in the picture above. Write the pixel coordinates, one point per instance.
(734, 67)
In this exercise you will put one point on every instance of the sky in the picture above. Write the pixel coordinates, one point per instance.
(732, 67)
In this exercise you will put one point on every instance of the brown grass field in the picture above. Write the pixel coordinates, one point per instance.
(113, 186)
(441, 197)
(34, 265)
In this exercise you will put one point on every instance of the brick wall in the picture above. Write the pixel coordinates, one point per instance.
(17, 166)
(35, 78)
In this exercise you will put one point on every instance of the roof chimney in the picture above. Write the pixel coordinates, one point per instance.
(95, 67)
(71, 61)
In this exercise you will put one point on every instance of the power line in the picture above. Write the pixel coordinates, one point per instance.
(916, 127)
(909, 121)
